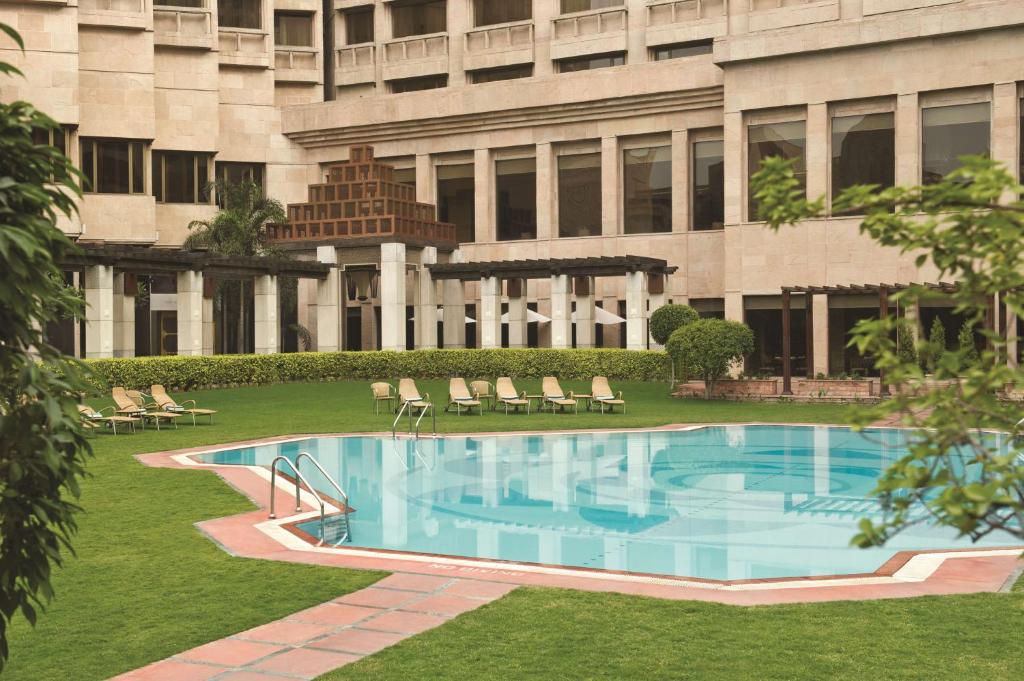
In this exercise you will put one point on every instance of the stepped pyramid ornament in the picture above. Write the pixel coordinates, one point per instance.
(360, 199)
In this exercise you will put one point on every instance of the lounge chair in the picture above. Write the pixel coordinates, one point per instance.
(554, 396)
(483, 390)
(459, 395)
(164, 401)
(409, 394)
(153, 410)
(93, 419)
(507, 395)
(601, 393)
(383, 392)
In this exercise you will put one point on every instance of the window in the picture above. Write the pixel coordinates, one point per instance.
(488, 12)
(456, 200)
(949, 132)
(863, 151)
(647, 190)
(180, 177)
(579, 195)
(234, 172)
(591, 63)
(708, 185)
(418, 17)
(417, 84)
(183, 3)
(503, 73)
(406, 176)
(516, 189)
(775, 139)
(293, 29)
(57, 137)
(239, 14)
(681, 50)
(358, 25)
(113, 166)
(570, 6)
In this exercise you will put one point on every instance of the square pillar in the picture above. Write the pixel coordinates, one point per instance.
(517, 313)
(489, 317)
(426, 302)
(209, 327)
(328, 303)
(125, 288)
(636, 310)
(483, 188)
(547, 222)
(1006, 128)
(561, 311)
(453, 303)
(681, 180)
(819, 313)
(655, 299)
(817, 157)
(735, 171)
(266, 327)
(392, 296)
(908, 122)
(610, 189)
(425, 185)
(585, 312)
(367, 326)
(99, 311)
(190, 313)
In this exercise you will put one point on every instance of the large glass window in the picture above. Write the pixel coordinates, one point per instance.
(569, 6)
(456, 199)
(416, 84)
(579, 195)
(488, 12)
(180, 177)
(502, 73)
(590, 63)
(57, 137)
(293, 29)
(681, 50)
(406, 176)
(516, 191)
(235, 172)
(708, 185)
(113, 166)
(358, 25)
(239, 14)
(863, 151)
(949, 132)
(647, 190)
(787, 140)
(418, 17)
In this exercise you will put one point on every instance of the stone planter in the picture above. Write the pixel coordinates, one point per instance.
(833, 387)
(732, 388)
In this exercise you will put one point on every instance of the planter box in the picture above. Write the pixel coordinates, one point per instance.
(732, 388)
(824, 387)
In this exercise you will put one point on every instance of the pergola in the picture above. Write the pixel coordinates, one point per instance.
(881, 290)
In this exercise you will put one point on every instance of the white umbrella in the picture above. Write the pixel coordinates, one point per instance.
(440, 317)
(531, 316)
(603, 316)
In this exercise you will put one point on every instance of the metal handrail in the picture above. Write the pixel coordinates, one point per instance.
(335, 485)
(394, 426)
(423, 413)
(298, 489)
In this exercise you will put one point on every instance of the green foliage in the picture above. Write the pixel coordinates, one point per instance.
(965, 341)
(956, 473)
(906, 341)
(668, 318)
(42, 447)
(707, 348)
(185, 372)
(936, 344)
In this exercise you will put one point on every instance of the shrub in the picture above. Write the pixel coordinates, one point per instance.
(668, 318)
(936, 344)
(708, 347)
(906, 341)
(184, 372)
(968, 349)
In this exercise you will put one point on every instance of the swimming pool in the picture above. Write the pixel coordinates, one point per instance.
(723, 502)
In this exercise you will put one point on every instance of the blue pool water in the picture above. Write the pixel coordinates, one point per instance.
(729, 502)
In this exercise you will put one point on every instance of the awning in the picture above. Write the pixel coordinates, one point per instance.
(531, 317)
(602, 316)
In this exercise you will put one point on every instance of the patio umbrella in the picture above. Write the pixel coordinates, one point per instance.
(602, 316)
(531, 317)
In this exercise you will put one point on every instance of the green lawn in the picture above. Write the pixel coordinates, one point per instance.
(146, 584)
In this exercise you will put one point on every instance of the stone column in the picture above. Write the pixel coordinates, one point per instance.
(392, 296)
(454, 308)
(908, 122)
(517, 313)
(817, 149)
(489, 315)
(610, 189)
(561, 311)
(425, 185)
(734, 312)
(585, 312)
(328, 303)
(547, 220)
(483, 184)
(99, 311)
(367, 325)
(266, 325)
(209, 327)
(190, 313)
(735, 172)
(680, 180)
(1006, 128)
(636, 310)
(655, 299)
(426, 301)
(819, 312)
(124, 315)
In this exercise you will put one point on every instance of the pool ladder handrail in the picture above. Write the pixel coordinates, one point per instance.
(394, 426)
(299, 481)
(342, 497)
(433, 415)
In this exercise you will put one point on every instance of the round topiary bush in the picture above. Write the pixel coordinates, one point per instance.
(706, 348)
(668, 318)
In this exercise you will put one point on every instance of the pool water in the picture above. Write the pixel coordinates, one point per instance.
(728, 502)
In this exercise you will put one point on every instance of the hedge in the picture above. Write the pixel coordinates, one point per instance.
(186, 372)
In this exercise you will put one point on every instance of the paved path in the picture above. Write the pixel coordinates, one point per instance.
(331, 635)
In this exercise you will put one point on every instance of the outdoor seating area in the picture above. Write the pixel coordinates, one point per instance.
(134, 407)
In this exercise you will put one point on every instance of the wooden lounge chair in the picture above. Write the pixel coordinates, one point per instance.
(459, 395)
(126, 406)
(554, 396)
(601, 393)
(93, 419)
(483, 390)
(507, 395)
(383, 392)
(409, 394)
(164, 401)
(153, 411)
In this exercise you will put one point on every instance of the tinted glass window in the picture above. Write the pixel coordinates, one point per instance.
(358, 25)
(949, 132)
(579, 195)
(293, 29)
(708, 185)
(682, 50)
(647, 190)
(516, 199)
(456, 199)
(239, 13)
(418, 17)
(863, 151)
(591, 63)
(487, 12)
(786, 140)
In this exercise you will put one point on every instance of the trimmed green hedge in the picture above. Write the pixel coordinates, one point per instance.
(222, 370)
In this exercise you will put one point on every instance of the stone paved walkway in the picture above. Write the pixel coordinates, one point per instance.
(331, 635)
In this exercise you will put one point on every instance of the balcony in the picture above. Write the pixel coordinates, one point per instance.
(130, 14)
(500, 45)
(183, 26)
(296, 64)
(766, 15)
(416, 56)
(683, 21)
(355, 65)
(584, 33)
(244, 47)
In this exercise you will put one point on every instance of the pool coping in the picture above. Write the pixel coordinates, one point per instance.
(906, 573)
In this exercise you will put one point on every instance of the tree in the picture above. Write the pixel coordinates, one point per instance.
(906, 341)
(969, 228)
(965, 341)
(42, 447)
(936, 344)
(707, 348)
(668, 318)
